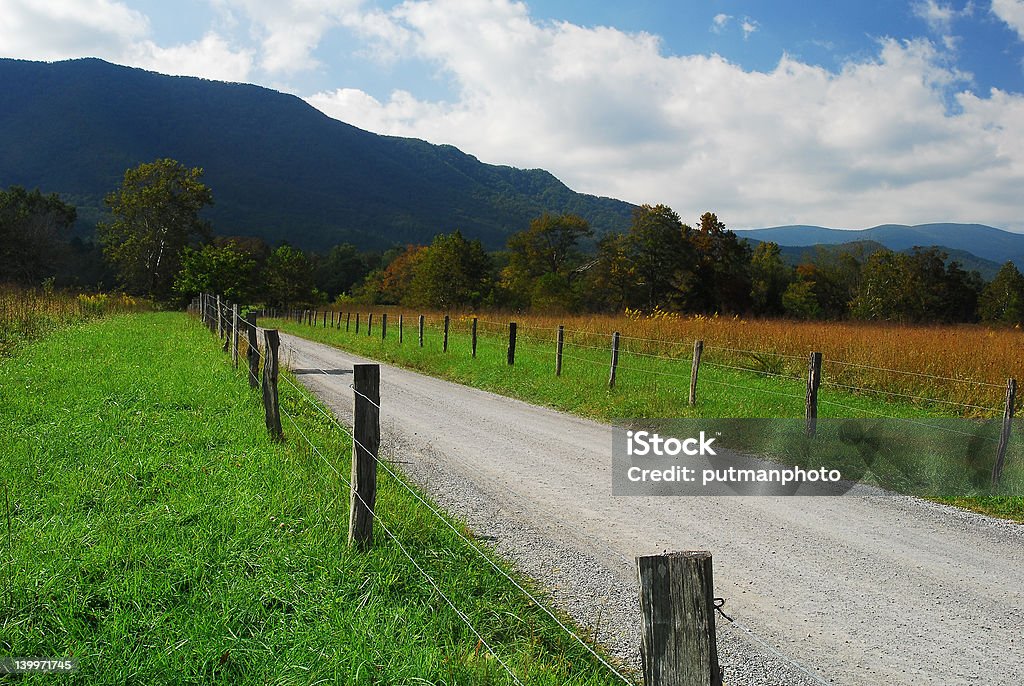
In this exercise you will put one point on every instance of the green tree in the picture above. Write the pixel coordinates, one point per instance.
(452, 272)
(542, 260)
(1002, 301)
(339, 270)
(769, 278)
(227, 270)
(288, 278)
(156, 215)
(662, 255)
(800, 300)
(33, 234)
(719, 278)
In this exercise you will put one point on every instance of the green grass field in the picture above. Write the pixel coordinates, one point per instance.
(152, 532)
(646, 386)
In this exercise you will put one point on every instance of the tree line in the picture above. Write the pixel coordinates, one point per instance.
(155, 244)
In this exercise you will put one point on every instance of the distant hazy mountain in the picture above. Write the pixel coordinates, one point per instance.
(279, 168)
(978, 240)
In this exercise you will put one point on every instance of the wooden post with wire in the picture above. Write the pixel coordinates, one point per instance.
(228, 325)
(1004, 434)
(559, 344)
(811, 402)
(253, 354)
(473, 341)
(366, 443)
(348, 320)
(384, 326)
(235, 322)
(698, 350)
(421, 330)
(678, 645)
(511, 343)
(615, 359)
(444, 341)
(271, 407)
(220, 319)
(357, 322)
(369, 324)
(325, 319)
(401, 331)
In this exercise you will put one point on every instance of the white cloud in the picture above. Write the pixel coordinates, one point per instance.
(211, 58)
(610, 114)
(61, 29)
(719, 22)
(289, 31)
(1011, 12)
(938, 17)
(749, 26)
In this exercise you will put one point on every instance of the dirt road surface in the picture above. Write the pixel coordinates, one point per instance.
(844, 590)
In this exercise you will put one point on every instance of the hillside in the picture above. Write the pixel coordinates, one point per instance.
(961, 241)
(279, 168)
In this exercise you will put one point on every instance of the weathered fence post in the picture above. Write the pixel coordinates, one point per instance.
(401, 330)
(332, 319)
(220, 319)
(444, 342)
(253, 353)
(615, 359)
(369, 324)
(235, 321)
(473, 341)
(271, 341)
(228, 325)
(384, 326)
(1004, 435)
(811, 404)
(559, 344)
(357, 322)
(366, 440)
(678, 645)
(511, 343)
(698, 350)
(421, 330)
(348, 319)
(325, 319)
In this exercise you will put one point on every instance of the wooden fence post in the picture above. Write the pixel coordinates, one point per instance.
(473, 341)
(220, 319)
(384, 326)
(511, 343)
(559, 344)
(401, 330)
(698, 350)
(271, 341)
(228, 325)
(369, 324)
(811, 404)
(332, 319)
(348, 319)
(1004, 435)
(366, 443)
(253, 355)
(421, 330)
(615, 359)
(235, 321)
(444, 341)
(357, 322)
(325, 319)
(678, 645)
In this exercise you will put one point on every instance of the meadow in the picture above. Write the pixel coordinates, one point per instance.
(153, 532)
(749, 368)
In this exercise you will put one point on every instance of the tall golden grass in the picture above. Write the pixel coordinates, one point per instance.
(27, 313)
(965, 366)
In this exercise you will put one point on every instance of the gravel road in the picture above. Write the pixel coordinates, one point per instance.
(837, 590)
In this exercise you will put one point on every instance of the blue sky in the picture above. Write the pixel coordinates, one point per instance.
(839, 114)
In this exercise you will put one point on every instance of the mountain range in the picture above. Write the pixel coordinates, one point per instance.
(283, 171)
(278, 168)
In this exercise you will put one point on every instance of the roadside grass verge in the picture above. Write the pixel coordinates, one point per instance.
(646, 386)
(158, 536)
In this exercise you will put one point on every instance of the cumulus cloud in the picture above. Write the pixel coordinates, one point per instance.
(1011, 12)
(61, 29)
(289, 31)
(610, 113)
(66, 29)
(211, 57)
(719, 22)
(749, 26)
